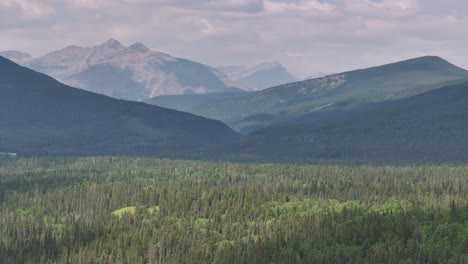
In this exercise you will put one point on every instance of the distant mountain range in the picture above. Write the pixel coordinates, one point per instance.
(258, 77)
(261, 76)
(41, 116)
(335, 92)
(134, 72)
(137, 73)
(409, 111)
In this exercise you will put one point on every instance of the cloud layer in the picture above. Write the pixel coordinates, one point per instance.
(307, 36)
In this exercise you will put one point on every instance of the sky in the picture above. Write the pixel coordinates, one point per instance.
(306, 36)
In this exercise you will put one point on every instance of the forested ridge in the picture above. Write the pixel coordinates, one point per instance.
(40, 116)
(144, 210)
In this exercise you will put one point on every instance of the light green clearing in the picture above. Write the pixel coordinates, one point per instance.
(132, 210)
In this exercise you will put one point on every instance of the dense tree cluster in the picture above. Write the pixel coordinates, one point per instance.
(143, 210)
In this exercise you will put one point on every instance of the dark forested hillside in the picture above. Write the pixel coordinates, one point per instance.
(40, 116)
(431, 127)
(129, 210)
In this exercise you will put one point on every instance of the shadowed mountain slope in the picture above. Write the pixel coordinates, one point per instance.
(41, 116)
(430, 127)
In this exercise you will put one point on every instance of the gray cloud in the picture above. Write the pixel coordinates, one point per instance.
(307, 36)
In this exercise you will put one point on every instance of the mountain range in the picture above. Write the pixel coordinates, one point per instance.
(341, 91)
(41, 116)
(134, 72)
(260, 76)
(409, 111)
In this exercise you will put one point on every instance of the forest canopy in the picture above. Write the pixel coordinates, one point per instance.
(146, 210)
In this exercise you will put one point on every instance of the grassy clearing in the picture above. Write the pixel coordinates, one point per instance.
(131, 210)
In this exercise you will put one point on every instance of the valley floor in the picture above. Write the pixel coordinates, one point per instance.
(143, 210)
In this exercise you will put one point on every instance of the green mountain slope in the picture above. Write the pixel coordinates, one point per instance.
(339, 91)
(188, 102)
(40, 116)
(430, 127)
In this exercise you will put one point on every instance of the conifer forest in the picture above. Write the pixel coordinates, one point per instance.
(147, 210)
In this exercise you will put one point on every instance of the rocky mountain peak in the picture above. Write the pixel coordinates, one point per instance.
(134, 72)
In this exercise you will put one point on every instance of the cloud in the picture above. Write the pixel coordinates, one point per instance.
(24, 10)
(307, 36)
(87, 4)
(300, 6)
(215, 5)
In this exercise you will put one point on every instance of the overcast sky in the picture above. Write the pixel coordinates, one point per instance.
(307, 36)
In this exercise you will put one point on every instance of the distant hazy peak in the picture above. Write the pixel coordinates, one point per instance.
(260, 76)
(138, 47)
(96, 68)
(16, 56)
(112, 43)
(240, 72)
(72, 47)
(268, 65)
